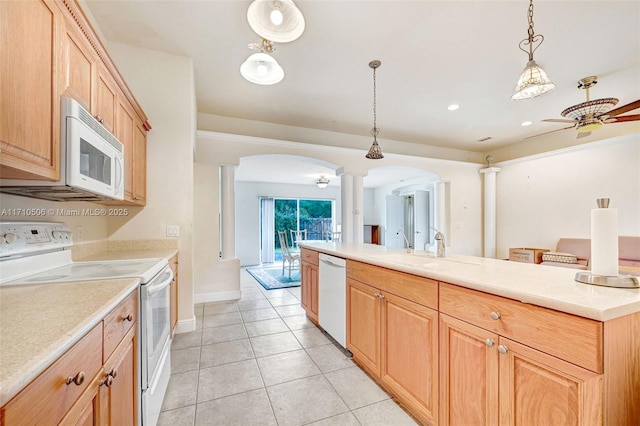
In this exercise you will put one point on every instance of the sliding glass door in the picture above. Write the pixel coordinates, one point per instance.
(292, 214)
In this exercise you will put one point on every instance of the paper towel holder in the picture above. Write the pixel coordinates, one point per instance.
(620, 281)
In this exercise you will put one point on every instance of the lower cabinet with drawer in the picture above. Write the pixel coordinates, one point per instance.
(393, 338)
(93, 383)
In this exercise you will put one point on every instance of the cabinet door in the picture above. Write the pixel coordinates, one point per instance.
(30, 78)
(173, 263)
(410, 355)
(86, 410)
(104, 108)
(79, 67)
(305, 285)
(538, 389)
(118, 392)
(125, 133)
(364, 325)
(139, 163)
(313, 292)
(468, 374)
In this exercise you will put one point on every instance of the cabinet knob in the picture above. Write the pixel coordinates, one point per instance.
(114, 373)
(78, 379)
(489, 342)
(503, 349)
(378, 296)
(128, 318)
(99, 118)
(137, 197)
(495, 315)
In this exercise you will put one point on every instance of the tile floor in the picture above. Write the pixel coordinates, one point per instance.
(259, 361)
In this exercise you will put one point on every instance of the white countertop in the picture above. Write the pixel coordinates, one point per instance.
(547, 286)
(38, 323)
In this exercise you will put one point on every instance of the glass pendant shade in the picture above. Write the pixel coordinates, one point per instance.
(279, 21)
(263, 69)
(375, 153)
(532, 82)
(322, 182)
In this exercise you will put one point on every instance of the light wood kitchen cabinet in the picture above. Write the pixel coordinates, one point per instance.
(309, 283)
(93, 383)
(487, 378)
(173, 291)
(395, 339)
(60, 55)
(30, 65)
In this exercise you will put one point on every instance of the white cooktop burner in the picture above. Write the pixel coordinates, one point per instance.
(85, 271)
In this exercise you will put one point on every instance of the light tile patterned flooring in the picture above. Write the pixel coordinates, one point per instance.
(259, 361)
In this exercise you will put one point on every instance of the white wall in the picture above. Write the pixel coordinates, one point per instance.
(94, 228)
(164, 86)
(542, 199)
(248, 211)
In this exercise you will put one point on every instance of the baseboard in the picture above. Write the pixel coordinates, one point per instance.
(217, 296)
(186, 326)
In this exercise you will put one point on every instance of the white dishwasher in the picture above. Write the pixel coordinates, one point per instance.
(332, 297)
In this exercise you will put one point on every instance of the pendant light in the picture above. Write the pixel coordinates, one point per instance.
(375, 153)
(262, 69)
(533, 81)
(277, 20)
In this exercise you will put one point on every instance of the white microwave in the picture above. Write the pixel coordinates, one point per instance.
(91, 160)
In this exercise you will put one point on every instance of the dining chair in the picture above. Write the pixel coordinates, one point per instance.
(332, 236)
(296, 236)
(288, 257)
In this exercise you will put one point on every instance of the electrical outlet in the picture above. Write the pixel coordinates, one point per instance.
(173, 231)
(79, 233)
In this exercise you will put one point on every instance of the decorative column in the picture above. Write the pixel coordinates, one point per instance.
(490, 244)
(358, 217)
(346, 189)
(228, 211)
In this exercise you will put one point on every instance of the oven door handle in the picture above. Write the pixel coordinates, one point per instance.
(160, 283)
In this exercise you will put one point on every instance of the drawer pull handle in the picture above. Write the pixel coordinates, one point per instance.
(495, 315)
(128, 318)
(503, 349)
(489, 342)
(78, 379)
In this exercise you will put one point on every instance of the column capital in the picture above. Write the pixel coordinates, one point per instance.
(489, 170)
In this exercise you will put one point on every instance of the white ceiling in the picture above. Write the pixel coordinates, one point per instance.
(433, 53)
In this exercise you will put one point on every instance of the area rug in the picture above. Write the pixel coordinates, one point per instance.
(270, 277)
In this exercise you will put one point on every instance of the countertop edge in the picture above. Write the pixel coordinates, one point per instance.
(9, 390)
(590, 312)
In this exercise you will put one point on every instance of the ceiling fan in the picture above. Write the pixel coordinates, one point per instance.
(593, 114)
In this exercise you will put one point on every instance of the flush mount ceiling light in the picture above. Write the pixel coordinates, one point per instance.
(263, 69)
(375, 153)
(453, 107)
(322, 182)
(533, 81)
(277, 20)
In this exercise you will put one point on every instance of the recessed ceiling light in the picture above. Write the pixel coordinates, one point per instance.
(526, 123)
(453, 107)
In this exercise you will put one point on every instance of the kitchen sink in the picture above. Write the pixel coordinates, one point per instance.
(424, 259)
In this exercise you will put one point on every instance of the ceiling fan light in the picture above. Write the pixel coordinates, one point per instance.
(589, 127)
(533, 82)
(322, 182)
(262, 69)
(277, 20)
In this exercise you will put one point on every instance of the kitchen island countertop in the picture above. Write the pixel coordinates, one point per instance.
(38, 323)
(546, 286)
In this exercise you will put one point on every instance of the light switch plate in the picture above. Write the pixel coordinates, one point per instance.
(173, 231)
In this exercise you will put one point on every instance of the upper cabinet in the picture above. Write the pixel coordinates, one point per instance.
(48, 50)
(30, 60)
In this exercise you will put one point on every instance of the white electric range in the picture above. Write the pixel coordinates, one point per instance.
(38, 253)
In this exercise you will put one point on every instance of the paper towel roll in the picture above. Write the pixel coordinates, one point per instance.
(604, 242)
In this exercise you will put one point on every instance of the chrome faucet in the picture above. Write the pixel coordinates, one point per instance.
(409, 248)
(439, 237)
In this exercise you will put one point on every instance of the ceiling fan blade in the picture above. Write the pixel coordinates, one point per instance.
(559, 120)
(546, 133)
(582, 135)
(635, 117)
(624, 108)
